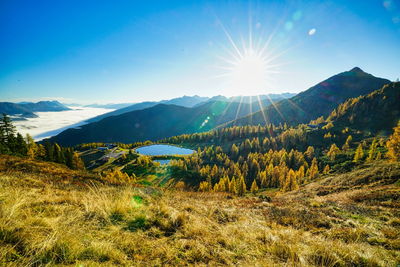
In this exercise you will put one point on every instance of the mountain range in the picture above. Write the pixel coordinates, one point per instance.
(108, 106)
(157, 122)
(189, 102)
(318, 100)
(26, 109)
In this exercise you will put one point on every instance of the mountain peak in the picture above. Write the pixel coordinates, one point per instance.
(357, 69)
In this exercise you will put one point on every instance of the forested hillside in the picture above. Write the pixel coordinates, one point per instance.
(284, 157)
(375, 113)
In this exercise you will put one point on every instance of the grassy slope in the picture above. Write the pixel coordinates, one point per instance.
(52, 215)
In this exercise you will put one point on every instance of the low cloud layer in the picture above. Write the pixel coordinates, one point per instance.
(51, 123)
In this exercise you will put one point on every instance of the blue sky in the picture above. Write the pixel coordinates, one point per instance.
(130, 51)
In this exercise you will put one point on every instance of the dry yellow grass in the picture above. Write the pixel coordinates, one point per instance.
(86, 224)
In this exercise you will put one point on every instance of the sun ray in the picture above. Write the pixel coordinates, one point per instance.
(276, 108)
(261, 109)
(250, 28)
(225, 110)
(281, 53)
(230, 39)
(230, 52)
(229, 61)
(251, 110)
(239, 106)
(296, 106)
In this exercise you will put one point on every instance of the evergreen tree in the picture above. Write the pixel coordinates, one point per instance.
(359, 154)
(241, 186)
(18, 145)
(232, 186)
(346, 145)
(333, 151)
(204, 186)
(372, 151)
(41, 152)
(234, 151)
(326, 169)
(8, 142)
(77, 162)
(313, 171)
(393, 144)
(290, 182)
(254, 187)
(32, 147)
(301, 174)
(69, 158)
(309, 153)
(269, 174)
(58, 154)
(8, 129)
(262, 178)
(49, 151)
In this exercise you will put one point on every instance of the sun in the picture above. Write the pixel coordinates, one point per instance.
(249, 73)
(248, 65)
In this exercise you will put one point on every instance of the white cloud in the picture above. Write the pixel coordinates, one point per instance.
(51, 123)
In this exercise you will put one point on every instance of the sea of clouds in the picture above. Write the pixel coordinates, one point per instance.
(52, 123)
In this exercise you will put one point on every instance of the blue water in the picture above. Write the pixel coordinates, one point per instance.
(163, 150)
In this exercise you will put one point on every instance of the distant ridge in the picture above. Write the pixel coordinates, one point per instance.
(45, 106)
(109, 106)
(26, 109)
(157, 122)
(185, 101)
(188, 101)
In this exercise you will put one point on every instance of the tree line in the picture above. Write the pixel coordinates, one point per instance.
(13, 143)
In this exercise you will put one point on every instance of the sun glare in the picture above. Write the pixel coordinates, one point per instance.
(249, 73)
(248, 67)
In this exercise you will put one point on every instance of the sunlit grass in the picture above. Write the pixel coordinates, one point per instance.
(71, 224)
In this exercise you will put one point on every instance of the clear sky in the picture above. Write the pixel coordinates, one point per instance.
(130, 51)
